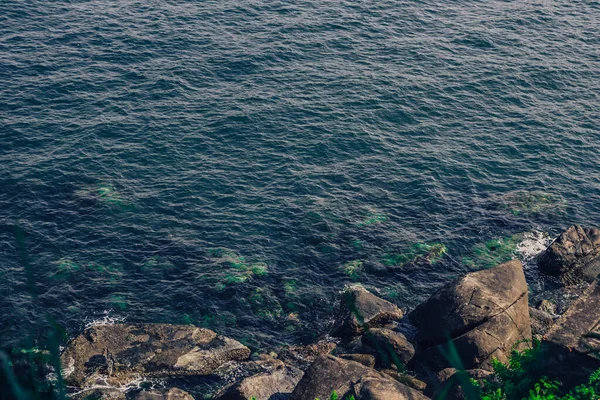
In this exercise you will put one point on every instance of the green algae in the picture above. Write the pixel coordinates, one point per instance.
(265, 305)
(105, 194)
(234, 269)
(157, 264)
(67, 268)
(419, 253)
(527, 203)
(290, 287)
(357, 244)
(353, 269)
(493, 252)
(119, 302)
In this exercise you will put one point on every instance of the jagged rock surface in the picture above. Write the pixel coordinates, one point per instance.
(572, 346)
(122, 352)
(389, 347)
(574, 256)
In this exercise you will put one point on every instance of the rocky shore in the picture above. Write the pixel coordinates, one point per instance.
(373, 351)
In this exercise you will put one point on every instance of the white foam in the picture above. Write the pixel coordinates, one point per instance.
(107, 319)
(533, 243)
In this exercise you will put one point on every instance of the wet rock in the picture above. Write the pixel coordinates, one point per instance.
(367, 360)
(280, 381)
(166, 394)
(390, 347)
(572, 346)
(574, 256)
(120, 353)
(541, 322)
(359, 310)
(329, 373)
(485, 314)
(302, 356)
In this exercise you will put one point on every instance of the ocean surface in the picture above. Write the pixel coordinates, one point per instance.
(235, 164)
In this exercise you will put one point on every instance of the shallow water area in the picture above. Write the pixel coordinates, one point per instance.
(234, 165)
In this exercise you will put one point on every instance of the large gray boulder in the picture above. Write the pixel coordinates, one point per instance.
(574, 256)
(360, 310)
(484, 314)
(346, 378)
(119, 353)
(572, 346)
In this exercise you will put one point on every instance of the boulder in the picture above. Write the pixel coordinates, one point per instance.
(574, 256)
(367, 360)
(346, 378)
(165, 394)
(405, 379)
(484, 314)
(264, 386)
(359, 310)
(120, 353)
(572, 346)
(390, 347)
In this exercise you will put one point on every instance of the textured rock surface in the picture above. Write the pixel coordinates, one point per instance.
(360, 309)
(346, 377)
(574, 256)
(572, 346)
(263, 386)
(166, 394)
(541, 322)
(98, 394)
(121, 352)
(373, 387)
(485, 313)
(368, 360)
(390, 347)
(302, 356)
(449, 383)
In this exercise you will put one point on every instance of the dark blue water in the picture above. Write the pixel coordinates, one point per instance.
(235, 164)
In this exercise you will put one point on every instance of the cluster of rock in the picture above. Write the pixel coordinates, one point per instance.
(466, 324)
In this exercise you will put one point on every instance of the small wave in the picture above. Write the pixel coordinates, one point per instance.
(107, 319)
(533, 243)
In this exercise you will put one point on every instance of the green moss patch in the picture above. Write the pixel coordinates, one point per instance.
(353, 269)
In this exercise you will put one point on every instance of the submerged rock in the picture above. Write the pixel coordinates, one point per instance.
(359, 309)
(485, 314)
(120, 353)
(574, 256)
(572, 346)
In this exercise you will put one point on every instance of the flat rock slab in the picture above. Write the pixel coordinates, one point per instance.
(119, 353)
(572, 345)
